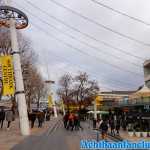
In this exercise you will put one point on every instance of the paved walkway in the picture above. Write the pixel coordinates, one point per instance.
(56, 139)
(9, 138)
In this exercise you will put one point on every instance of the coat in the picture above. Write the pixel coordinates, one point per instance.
(2, 115)
(9, 116)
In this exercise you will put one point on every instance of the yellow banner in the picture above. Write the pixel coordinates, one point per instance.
(7, 75)
(98, 100)
(50, 101)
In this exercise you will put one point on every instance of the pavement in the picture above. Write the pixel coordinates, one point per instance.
(58, 137)
(11, 137)
(53, 136)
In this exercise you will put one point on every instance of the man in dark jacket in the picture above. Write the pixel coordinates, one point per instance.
(2, 117)
(104, 129)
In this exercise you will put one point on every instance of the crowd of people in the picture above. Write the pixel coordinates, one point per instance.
(105, 124)
(72, 121)
(40, 116)
(9, 115)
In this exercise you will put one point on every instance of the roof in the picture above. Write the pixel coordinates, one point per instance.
(144, 89)
(119, 92)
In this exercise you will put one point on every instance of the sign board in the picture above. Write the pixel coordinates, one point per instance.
(7, 75)
(98, 100)
(50, 101)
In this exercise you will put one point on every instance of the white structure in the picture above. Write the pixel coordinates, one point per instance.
(20, 96)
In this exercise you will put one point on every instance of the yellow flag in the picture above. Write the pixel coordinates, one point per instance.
(98, 100)
(7, 75)
(50, 101)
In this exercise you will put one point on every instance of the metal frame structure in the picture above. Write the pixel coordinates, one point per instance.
(13, 18)
(8, 12)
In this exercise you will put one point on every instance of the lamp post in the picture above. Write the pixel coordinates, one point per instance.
(13, 18)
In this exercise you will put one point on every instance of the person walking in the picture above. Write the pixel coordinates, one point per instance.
(65, 120)
(77, 124)
(32, 118)
(9, 118)
(118, 126)
(40, 119)
(2, 117)
(112, 127)
(104, 129)
(71, 121)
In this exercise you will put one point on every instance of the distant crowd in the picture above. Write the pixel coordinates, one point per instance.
(8, 115)
(41, 116)
(72, 121)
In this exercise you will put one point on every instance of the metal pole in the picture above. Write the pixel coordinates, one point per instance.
(55, 110)
(95, 110)
(63, 108)
(20, 95)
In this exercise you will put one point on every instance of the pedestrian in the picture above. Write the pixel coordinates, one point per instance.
(104, 129)
(65, 120)
(112, 127)
(9, 118)
(40, 119)
(117, 126)
(77, 124)
(48, 116)
(32, 118)
(2, 117)
(71, 121)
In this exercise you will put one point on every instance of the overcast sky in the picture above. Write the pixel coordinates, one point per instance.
(77, 45)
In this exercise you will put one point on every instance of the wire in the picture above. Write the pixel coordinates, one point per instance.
(51, 35)
(121, 13)
(99, 59)
(58, 56)
(85, 34)
(47, 33)
(83, 42)
(100, 25)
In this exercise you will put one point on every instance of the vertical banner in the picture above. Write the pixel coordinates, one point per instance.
(50, 101)
(99, 100)
(7, 75)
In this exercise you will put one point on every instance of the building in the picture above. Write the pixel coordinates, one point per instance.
(113, 98)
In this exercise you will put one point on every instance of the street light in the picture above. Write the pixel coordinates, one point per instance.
(13, 18)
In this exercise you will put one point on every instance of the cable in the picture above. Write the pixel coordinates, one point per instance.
(54, 37)
(121, 13)
(58, 56)
(83, 42)
(76, 64)
(99, 24)
(87, 35)
(99, 59)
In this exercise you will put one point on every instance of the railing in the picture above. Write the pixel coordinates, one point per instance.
(134, 102)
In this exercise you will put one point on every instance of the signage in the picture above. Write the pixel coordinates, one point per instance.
(7, 75)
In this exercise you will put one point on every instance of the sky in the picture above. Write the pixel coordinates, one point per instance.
(74, 35)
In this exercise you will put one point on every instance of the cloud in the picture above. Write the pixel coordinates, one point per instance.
(61, 58)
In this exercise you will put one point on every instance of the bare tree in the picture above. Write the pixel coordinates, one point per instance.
(65, 88)
(79, 89)
(32, 78)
